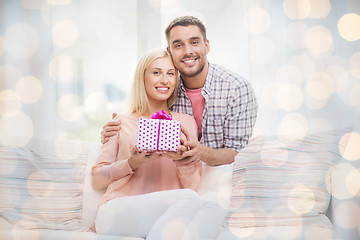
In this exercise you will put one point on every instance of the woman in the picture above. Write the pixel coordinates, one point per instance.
(146, 190)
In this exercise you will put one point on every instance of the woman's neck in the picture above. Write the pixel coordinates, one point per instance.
(155, 108)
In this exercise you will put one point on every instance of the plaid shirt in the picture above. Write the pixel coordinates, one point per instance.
(230, 109)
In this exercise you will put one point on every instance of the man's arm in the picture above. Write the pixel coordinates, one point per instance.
(110, 129)
(199, 152)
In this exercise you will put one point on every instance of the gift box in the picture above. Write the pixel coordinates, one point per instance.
(158, 133)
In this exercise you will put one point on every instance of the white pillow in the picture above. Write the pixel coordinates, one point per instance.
(41, 185)
(281, 181)
(91, 196)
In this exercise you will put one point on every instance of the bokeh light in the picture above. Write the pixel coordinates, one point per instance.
(306, 202)
(95, 105)
(65, 33)
(10, 103)
(16, 130)
(318, 40)
(295, 33)
(340, 77)
(352, 182)
(32, 5)
(209, 6)
(39, 184)
(290, 232)
(354, 64)
(18, 230)
(29, 89)
(109, 29)
(243, 233)
(297, 9)
(66, 69)
(319, 86)
(354, 96)
(289, 74)
(70, 107)
(347, 214)
(270, 95)
(320, 125)
(293, 124)
(352, 150)
(289, 97)
(10, 75)
(261, 50)
(319, 8)
(257, 21)
(250, 221)
(14, 44)
(348, 27)
(341, 175)
(305, 63)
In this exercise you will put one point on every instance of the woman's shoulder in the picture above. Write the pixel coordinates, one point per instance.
(126, 117)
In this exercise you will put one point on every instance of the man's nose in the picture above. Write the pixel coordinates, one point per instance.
(188, 49)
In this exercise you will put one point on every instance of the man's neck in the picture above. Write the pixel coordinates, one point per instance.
(197, 81)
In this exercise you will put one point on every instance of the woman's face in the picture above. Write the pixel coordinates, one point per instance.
(160, 79)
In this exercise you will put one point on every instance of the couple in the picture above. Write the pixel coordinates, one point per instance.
(148, 193)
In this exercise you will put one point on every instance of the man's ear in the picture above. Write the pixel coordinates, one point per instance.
(168, 50)
(207, 46)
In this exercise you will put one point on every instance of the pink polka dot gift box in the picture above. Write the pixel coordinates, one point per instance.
(159, 132)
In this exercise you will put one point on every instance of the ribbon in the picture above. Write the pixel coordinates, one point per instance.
(161, 115)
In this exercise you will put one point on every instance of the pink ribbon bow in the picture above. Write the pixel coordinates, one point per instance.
(161, 115)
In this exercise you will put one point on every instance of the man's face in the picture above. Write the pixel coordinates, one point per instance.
(188, 50)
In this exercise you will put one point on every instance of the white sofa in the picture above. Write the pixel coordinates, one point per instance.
(277, 188)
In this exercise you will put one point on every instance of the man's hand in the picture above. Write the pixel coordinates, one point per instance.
(198, 152)
(110, 129)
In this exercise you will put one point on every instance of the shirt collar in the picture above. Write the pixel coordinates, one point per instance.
(206, 88)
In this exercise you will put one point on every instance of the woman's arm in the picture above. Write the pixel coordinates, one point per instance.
(108, 168)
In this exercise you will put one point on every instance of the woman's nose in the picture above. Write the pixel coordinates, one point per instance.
(164, 79)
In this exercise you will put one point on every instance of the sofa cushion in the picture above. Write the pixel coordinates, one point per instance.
(283, 181)
(41, 185)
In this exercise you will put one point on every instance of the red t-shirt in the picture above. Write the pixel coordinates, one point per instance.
(198, 104)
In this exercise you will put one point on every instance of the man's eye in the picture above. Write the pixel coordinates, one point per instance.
(178, 45)
(195, 42)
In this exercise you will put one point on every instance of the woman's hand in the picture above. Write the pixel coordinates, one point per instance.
(138, 158)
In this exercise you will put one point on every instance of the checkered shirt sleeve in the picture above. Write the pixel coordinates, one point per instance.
(230, 109)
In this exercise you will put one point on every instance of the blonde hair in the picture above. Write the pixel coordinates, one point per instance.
(139, 102)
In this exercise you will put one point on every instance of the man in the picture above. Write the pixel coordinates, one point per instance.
(222, 103)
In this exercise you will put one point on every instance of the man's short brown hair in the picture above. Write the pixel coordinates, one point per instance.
(185, 21)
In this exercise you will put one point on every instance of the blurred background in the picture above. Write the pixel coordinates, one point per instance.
(67, 65)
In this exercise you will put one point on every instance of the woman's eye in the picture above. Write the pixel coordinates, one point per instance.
(171, 73)
(156, 73)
